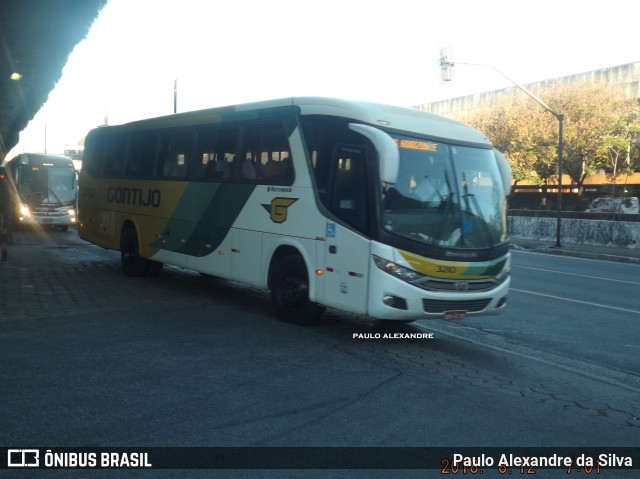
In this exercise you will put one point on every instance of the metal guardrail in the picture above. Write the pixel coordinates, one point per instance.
(579, 215)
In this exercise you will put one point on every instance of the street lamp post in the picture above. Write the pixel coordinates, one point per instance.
(446, 68)
(175, 95)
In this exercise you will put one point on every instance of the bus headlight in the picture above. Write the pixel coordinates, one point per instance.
(71, 212)
(396, 270)
(24, 210)
(505, 273)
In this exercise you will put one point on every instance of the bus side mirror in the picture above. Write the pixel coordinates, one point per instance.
(388, 156)
(505, 171)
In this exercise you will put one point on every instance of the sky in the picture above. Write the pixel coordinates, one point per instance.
(237, 51)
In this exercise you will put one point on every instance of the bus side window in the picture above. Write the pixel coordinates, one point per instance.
(148, 154)
(177, 153)
(114, 151)
(250, 152)
(226, 153)
(93, 156)
(275, 158)
(348, 196)
(319, 136)
(204, 160)
(141, 155)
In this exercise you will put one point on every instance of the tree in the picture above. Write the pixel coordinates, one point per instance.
(522, 130)
(598, 120)
(600, 124)
(620, 151)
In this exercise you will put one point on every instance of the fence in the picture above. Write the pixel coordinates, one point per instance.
(623, 230)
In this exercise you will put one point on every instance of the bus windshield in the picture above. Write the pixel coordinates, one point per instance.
(446, 195)
(48, 185)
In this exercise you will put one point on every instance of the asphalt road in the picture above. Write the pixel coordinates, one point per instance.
(585, 311)
(89, 357)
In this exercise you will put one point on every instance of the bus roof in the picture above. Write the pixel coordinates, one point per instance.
(388, 116)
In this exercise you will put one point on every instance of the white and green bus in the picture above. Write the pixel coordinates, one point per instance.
(376, 210)
(46, 188)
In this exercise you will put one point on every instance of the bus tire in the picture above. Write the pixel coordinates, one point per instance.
(132, 263)
(155, 267)
(290, 292)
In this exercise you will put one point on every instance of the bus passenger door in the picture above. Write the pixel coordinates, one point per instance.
(347, 253)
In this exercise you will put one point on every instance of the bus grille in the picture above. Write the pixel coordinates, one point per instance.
(45, 214)
(441, 305)
(432, 284)
(52, 211)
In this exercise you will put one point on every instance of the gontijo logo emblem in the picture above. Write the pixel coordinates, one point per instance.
(278, 208)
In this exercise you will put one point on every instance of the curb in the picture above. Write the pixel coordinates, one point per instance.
(575, 253)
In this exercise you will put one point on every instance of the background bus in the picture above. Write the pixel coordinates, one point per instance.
(325, 202)
(47, 189)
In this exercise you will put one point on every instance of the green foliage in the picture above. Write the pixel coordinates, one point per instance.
(601, 128)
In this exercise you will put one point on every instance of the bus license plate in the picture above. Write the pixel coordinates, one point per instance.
(455, 315)
(47, 220)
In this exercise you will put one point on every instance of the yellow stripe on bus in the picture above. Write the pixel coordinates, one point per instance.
(448, 269)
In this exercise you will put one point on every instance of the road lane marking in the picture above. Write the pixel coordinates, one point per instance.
(633, 311)
(575, 274)
(611, 258)
(497, 342)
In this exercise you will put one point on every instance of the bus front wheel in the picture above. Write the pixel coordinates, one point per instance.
(290, 292)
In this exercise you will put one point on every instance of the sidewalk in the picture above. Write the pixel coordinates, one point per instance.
(611, 253)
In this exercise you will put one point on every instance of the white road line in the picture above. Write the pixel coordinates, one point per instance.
(602, 257)
(575, 274)
(495, 341)
(633, 311)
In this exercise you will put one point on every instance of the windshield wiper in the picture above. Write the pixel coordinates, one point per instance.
(447, 206)
(467, 194)
(55, 196)
(435, 188)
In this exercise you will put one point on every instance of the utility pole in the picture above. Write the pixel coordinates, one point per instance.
(175, 95)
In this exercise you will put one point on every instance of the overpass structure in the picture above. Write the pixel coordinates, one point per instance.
(627, 76)
(36, 38)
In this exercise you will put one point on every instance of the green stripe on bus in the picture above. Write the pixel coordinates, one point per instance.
(203, 217)
(489, 268)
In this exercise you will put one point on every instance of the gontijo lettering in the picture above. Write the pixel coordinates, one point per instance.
(133, 196)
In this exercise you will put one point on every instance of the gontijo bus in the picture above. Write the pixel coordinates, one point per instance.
(377, 210)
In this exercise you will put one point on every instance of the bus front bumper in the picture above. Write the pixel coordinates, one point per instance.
(393, 299)
(67, 218)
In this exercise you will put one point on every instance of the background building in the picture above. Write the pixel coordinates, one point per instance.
(627, 76)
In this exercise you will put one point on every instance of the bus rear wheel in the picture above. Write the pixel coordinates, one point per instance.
(290, 293)
(132, 263)
(155, 267)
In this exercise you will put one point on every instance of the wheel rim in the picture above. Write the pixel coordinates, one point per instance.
(294, 292)
(128, 253)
